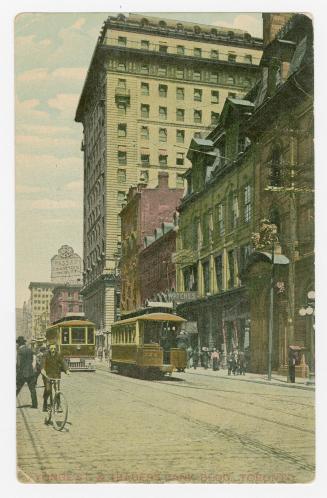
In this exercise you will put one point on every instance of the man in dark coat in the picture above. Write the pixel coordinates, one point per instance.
(292, 356)
(52, 366)
(25, 369)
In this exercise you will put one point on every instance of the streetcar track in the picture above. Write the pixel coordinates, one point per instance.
(191, 398)
(232, 436)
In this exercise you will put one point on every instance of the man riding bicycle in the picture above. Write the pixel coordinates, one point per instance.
(52, 366)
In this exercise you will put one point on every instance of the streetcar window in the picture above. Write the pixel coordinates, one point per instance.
(78, 335)
(90, 336)
(65, 335)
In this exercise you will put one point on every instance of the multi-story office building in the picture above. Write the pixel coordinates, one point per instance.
(41, 295)
(152, 85)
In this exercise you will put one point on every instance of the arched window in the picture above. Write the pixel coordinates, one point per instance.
(180, 26)
(197, 29)
(144, 22)
(275, 167)
(162, 24)
(214, 32)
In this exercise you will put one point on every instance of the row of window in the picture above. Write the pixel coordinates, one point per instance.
(163, 115)
(182, 50)
(235, 263)
(181, 73)
(228, 214)
(144, 177)
(180, 92)
(145, 158)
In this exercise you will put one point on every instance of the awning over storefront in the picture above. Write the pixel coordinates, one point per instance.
(279, 259)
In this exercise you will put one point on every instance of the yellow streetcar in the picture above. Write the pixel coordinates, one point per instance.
(147, 344)
(75, 340)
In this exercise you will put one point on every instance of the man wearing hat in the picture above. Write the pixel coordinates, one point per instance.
(25, 369)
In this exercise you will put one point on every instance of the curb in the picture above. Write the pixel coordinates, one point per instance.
(105, 368)
(259, 381)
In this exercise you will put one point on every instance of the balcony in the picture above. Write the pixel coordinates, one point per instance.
(122, 95)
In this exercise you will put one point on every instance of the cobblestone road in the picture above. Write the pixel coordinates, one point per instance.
(189, 428)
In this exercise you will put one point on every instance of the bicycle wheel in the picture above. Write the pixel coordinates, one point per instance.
(59, 411)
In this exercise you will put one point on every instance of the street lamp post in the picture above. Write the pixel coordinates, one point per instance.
(107, 346)
(271, 310)
(309, 311)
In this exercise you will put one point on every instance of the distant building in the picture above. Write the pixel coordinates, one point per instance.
(27, 317)
(65, 299)
(19, 322)
(66, 266)
(146, 208)
(41, 295)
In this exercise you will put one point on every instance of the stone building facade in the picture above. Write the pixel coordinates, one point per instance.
(146, 208)
(256, 165)
(152, 84)
(65, 299)
(66, 266)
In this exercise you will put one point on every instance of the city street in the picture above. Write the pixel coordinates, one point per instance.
(188, 428)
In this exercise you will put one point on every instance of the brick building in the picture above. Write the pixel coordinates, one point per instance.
(65, 299)
(261, 168)
(146, 209)
(157, 270)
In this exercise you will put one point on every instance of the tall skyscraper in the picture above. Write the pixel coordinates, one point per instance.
(151, 86)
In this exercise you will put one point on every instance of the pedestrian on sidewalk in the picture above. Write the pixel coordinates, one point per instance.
(292, 357)
(25, 369)
(38, 365)
(215, 357)
(205, 358)
(195, 358)
(235, 362)
(241, 363)
(230, 362)
(189, 352)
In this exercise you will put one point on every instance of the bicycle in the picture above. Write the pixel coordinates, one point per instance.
(58, 407)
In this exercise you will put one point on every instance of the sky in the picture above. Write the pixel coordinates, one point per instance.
(52, 55)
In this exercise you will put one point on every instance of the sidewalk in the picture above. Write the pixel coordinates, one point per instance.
(276, 380)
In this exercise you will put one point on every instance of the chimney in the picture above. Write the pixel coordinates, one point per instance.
(272, 23)
(163, 180)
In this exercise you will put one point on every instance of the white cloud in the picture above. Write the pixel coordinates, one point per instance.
(47, 162)
(75, 186)
(245, 22)
(28, 189)
(45, 143)
(27, 111)
(78, 23)
(36, 74)
(66, 103)
(52, 204)
(70, 73)
(61, 73)
(27, 128)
